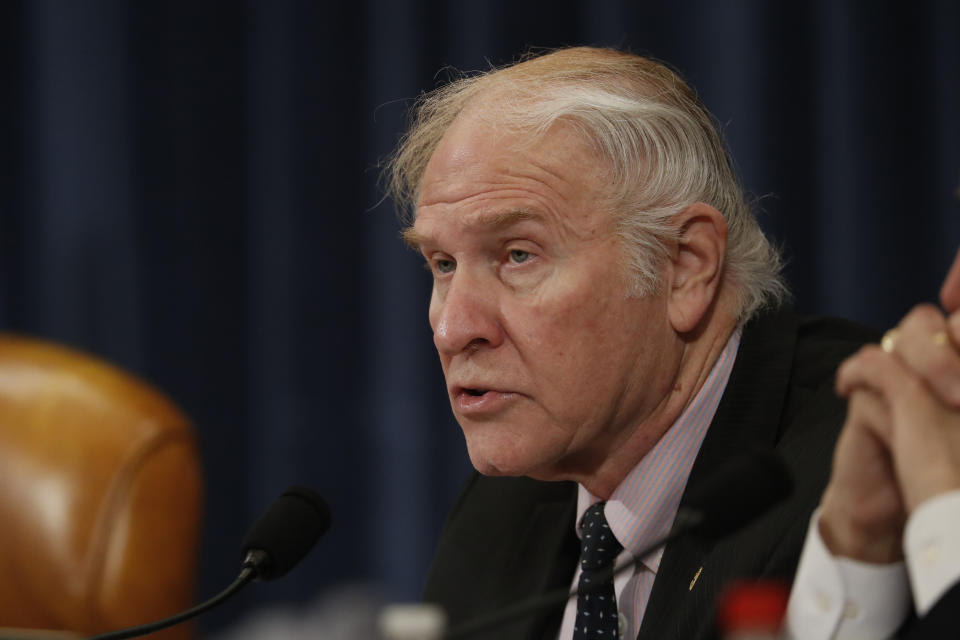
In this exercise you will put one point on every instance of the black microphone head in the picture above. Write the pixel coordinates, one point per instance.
(742, 490)
(286, 532)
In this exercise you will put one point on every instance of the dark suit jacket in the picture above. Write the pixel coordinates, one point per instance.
(942, 621)
(510, 538)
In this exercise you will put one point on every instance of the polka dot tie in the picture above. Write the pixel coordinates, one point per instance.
(596, 601)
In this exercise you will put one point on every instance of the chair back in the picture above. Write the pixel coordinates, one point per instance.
(100, 495)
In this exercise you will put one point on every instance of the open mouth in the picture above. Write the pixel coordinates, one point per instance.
(480, 401)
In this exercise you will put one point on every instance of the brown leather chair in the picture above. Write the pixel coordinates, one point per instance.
(100, 495)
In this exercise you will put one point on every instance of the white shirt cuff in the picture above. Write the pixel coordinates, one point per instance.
(840, 599)
(932, 548)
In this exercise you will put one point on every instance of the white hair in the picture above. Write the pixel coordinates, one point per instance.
(663, 148)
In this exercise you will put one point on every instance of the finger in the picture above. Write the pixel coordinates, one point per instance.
(862, 508)
(851, 374)
(923, 435)
(925, 441)
(924, 345)
(953, 328)
(867, 409)
(872, 369)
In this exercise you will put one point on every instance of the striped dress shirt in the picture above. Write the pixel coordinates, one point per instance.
(643, 506)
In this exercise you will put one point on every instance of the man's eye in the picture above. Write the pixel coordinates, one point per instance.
(519, 255)
(445, 266)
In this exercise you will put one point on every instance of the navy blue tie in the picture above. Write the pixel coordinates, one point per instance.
(596, 600)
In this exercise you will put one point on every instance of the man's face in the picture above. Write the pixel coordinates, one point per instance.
(548, 362)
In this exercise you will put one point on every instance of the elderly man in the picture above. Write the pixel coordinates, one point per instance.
(605, 308)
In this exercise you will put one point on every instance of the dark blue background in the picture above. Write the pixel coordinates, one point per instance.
(189, 189)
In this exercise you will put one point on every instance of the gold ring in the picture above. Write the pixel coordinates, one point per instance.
(889, 340)
(940, 338)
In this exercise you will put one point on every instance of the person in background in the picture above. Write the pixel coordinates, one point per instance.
(887, 526)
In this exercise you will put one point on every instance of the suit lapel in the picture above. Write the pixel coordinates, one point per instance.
(506, 540)
(551, 552)
(543, 559)
(748, 415)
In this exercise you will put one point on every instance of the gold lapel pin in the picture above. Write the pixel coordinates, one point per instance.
(694, 581)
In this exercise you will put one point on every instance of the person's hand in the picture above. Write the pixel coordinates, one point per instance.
(916, 374)
(862, 513)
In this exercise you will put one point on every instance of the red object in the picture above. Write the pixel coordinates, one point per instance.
(757, 605)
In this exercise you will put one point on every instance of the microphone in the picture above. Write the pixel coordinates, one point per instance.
(283, 535)
(274, 545)
(743, 489)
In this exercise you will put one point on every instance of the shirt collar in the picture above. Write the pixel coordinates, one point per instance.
(643, 506)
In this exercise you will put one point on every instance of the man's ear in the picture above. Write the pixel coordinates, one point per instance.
(696, 265)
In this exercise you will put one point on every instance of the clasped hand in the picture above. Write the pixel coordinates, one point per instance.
(900, 443)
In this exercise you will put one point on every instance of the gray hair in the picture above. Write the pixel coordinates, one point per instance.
(664, 150)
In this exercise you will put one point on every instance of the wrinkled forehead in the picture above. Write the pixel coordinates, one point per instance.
(483, 149)
(484, 177)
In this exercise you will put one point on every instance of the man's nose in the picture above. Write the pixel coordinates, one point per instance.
(465, 316)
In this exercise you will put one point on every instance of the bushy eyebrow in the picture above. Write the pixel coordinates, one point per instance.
(411, 238)
(499, 220)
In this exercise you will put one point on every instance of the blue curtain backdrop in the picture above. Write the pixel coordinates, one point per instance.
(189, 189)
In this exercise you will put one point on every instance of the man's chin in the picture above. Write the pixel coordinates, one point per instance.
(488, 468)
(496, 463)
(504, 449)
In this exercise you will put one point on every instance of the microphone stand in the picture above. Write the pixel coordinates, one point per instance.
(247, 574)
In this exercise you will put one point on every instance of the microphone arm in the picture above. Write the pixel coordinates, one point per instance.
(272, 547)
(247, 575)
